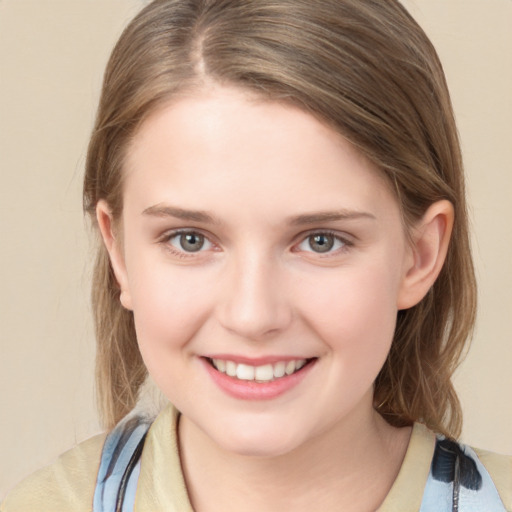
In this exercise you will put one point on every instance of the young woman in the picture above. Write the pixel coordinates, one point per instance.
(284, 249)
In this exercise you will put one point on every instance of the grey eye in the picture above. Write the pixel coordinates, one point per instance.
(321, 242)
(189, 242)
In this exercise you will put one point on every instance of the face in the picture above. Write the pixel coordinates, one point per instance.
(264, 260)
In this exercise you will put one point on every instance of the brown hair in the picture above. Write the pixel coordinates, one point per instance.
(367, 69)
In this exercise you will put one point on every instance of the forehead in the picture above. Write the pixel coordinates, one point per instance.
(227, 141)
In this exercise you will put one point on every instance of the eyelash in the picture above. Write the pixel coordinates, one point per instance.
(346, 243)
(168, 237)
(181, 253)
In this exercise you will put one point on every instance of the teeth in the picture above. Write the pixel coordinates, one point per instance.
(220, 364)
(290, 367)
(245, 372)
(279, 370)
(265, 373)
(230, 368)
(300, 364)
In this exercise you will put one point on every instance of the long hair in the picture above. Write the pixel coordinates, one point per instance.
(367, 69)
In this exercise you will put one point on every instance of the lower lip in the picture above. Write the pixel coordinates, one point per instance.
(253, 390)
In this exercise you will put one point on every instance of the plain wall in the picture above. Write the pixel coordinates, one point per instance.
(52, 55)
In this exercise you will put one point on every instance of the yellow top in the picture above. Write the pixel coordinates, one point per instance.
(68, 484)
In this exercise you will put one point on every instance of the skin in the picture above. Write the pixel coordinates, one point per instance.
(269, 177)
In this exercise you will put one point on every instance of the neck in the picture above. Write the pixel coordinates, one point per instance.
(350, 468)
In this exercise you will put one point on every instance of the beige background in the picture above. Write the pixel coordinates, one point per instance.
(52, 55)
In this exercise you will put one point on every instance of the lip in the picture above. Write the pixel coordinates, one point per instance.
(254, 361)
(252, 390)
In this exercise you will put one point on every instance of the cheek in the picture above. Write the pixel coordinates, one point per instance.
(169, 303)
(169, 308)
(355, 312)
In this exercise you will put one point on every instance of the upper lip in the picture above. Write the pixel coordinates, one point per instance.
(255, 361)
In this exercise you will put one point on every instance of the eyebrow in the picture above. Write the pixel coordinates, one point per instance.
(161, 210)
(329, 216)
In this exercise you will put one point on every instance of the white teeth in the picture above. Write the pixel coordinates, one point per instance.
(290, 367)
(264, 373)
(230, 368)
(279, 370)
(245, 372)
(220, 364)
(300, 364)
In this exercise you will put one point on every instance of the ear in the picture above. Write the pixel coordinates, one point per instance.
(115, 250)
(430, 241)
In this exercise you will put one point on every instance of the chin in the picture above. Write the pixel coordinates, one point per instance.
(256, 442)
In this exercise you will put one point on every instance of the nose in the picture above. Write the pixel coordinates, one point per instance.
(255, 304)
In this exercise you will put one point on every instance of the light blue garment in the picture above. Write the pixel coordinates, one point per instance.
(120, 466)
(131, 488)
(453, 491)
(458, 481)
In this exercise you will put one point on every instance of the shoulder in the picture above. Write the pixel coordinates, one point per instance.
(437, 473)
(472, 479)
(68, 484)
(500, 470)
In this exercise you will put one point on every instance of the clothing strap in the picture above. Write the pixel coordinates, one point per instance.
(458, 481)
(120, 466)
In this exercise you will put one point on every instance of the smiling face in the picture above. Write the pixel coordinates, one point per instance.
(264, 260)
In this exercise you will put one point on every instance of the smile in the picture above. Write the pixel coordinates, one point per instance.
(264, 373)
(264, 379)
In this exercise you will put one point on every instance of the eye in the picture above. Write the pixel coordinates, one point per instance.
(322, 243)
(189, 241)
